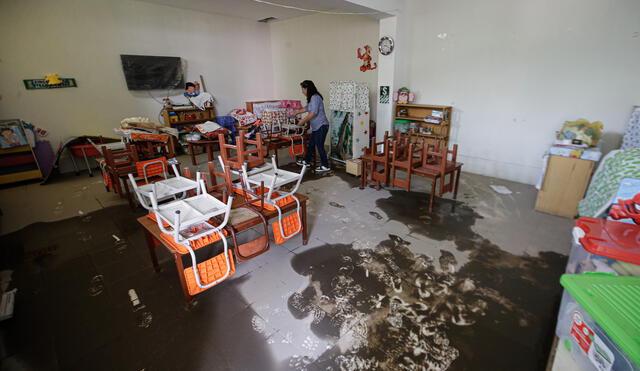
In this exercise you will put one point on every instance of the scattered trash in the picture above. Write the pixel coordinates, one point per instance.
(335, 204)
(135, 301)
(80, 212)
(501, 189)
(7, 303)
(97, 285)
(144, 318)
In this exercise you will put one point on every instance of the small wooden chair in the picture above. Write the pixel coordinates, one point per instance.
(404, 160)
(241, 212)
(437, 163)
(117, 165)
(372, 159)
(236, 155)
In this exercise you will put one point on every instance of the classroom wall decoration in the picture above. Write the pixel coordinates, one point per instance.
(12, 135)
(50, 82)
(365, 55)
(384, 94)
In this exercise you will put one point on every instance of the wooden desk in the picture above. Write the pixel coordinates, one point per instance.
(207, 144)
(154, 238)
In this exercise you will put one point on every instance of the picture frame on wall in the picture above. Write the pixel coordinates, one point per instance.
(384, 94)
(12, 134)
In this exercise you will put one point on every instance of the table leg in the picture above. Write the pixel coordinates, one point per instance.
(192, 154)
(209, 151)
(433, 194)
(183, 281)
(75, 166)
(86, 161)
(305, 234)
(455, 187)
(128, 193)
(151, 245)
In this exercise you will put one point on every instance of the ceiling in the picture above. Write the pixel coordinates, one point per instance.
(250, 9)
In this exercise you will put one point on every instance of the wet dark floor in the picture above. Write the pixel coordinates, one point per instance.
(380, 307)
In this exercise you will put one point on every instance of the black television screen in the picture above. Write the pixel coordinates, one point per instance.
(144, 72)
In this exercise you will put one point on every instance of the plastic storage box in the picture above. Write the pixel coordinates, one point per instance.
(599, 321)
(605, 246)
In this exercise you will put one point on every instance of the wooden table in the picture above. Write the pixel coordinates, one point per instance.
(154, 239)
(207, 144)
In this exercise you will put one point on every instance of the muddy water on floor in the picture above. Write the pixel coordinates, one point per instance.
(392, 308)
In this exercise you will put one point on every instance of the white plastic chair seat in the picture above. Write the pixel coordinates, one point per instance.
(168, 188)
(193, 209)
(282, 177)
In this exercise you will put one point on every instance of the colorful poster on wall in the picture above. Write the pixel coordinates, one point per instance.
(384, 94)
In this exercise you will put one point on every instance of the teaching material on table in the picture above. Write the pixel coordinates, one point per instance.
(598, 321)
(564, 184)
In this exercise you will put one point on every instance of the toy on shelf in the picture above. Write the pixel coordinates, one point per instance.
(403, 96)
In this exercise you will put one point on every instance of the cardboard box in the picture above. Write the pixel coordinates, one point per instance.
(564, 185)
(353, 166)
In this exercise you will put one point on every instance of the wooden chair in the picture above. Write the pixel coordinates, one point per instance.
(236, 155)
(117, 165)
(404, 160)
(372, 159)
(241, 211)
(150, 146)
(438, 162)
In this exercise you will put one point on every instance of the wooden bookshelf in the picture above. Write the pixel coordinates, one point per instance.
(418, 112)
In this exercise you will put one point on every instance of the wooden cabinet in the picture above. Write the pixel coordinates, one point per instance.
(418, 113)
(565, 182)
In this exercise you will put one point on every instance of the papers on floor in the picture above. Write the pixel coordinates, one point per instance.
(6, 304)
(501, 189)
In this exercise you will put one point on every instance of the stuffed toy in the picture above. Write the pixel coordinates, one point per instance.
(403, 96)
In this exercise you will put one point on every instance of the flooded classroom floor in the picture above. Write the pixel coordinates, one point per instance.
(382, 284)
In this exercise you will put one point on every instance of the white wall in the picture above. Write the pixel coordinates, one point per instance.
(84, 39)
(515, 70)
(322, 48)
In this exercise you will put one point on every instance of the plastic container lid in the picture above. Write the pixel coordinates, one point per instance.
(611, 239)
(613, 302)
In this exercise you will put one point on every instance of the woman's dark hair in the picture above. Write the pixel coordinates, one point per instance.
(311, 89)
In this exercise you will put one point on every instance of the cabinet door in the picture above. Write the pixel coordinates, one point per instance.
(360, 133)
(564, 185)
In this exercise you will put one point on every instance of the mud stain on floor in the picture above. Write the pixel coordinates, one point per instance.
(390, 308)
(375, 214)
(73, 310)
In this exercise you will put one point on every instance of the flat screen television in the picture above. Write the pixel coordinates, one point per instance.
(145, 72)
